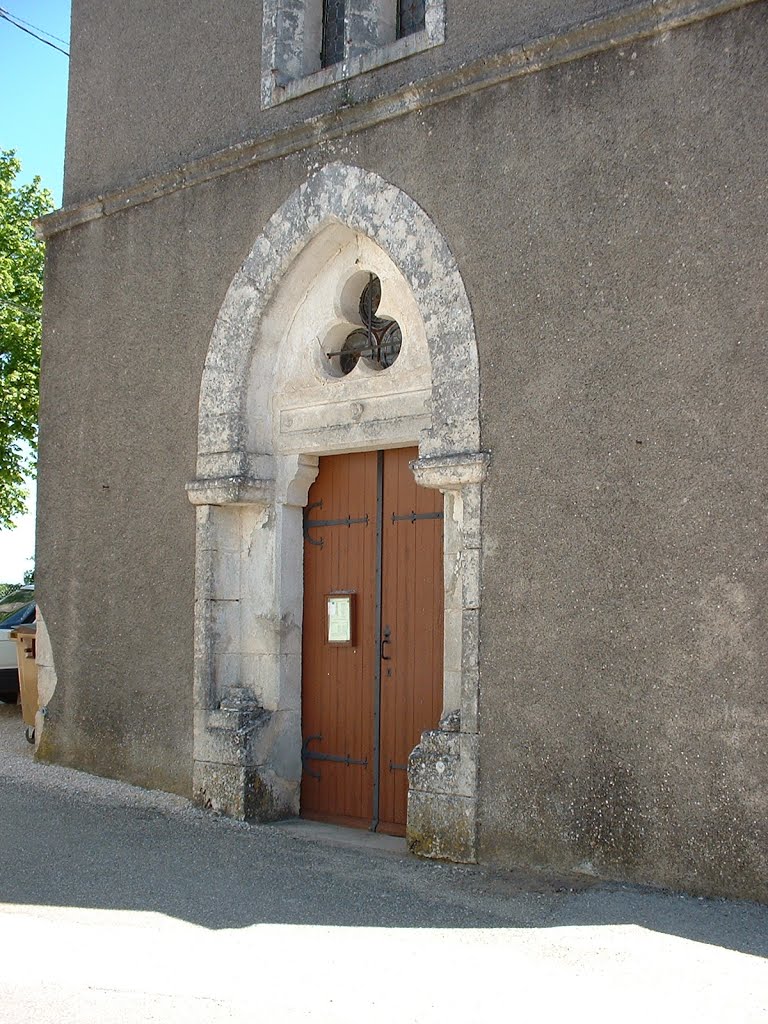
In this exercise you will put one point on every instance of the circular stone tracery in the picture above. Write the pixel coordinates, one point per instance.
(377, 342)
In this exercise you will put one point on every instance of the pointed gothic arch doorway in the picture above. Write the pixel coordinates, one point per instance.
(278, 393)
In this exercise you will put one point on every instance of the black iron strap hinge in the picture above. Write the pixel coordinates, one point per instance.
(312, 524)
(411, 517)
(310, 755)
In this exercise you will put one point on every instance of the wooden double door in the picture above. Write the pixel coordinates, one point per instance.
(372, 657)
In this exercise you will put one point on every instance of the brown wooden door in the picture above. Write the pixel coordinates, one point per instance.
(370, 532)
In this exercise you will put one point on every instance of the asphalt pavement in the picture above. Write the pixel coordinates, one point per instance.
(122, 905)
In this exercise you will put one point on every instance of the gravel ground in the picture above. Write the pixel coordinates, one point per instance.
(120, 904)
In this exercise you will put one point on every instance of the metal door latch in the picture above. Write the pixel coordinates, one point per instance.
(386, 639)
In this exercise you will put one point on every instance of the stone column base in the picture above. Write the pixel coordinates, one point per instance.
(442, 827)
(233, 772)
(442, 795)
(239, 792)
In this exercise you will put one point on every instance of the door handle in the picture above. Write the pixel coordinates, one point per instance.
(386, 640)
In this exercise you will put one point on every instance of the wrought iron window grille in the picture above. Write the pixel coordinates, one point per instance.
(332, 51)
(378, 341)
(411, 17)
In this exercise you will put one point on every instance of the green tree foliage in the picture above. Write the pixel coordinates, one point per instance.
(21, 299)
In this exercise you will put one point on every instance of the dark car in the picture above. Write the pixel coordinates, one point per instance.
(9, 673)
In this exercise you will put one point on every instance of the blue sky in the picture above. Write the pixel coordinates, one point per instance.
(33, 90)
(33, 109)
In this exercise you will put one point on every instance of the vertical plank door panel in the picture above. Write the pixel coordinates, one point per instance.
(412, 607)
(337, 681)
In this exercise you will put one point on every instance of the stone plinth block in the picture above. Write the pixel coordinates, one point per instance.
(239, 792)
(442, 827)
(231, 736)
(444, 763)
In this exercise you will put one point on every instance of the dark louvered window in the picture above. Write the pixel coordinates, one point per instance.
(333, 32)
(410, 17)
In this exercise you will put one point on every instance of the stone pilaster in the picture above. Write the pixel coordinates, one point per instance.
(442, 769)
(247, 688)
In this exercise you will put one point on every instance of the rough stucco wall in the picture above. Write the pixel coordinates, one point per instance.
(625, 616)
(607, 218)
(138, 104)
(133, 300)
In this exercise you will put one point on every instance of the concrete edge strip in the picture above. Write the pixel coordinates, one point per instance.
(619, 29)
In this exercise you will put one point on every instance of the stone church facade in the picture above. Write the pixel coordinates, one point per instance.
(556, 215)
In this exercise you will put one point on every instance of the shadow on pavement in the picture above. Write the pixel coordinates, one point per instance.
(70, 840)
(65, 852)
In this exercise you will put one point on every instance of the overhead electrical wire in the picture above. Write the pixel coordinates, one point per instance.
(24, 309)
(29, 24)
(37, 28)
(12, 20)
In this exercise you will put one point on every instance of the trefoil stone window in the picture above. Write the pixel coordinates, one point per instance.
(377, 340)
(308, 44)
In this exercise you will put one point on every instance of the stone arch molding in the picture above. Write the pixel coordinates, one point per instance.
(268, 410)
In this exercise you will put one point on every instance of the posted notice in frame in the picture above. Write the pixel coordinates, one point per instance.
(339, 618)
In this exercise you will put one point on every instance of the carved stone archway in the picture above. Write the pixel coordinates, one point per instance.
(269, 407)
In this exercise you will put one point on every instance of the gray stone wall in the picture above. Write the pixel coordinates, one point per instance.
(625, 615)
(140, 104)
(608, 219)
(130, 306)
